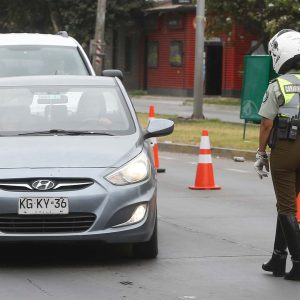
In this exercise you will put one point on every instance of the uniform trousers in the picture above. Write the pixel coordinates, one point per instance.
(285, 171)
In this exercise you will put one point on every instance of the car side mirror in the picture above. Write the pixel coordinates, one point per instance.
(113, 73)
(158, 127)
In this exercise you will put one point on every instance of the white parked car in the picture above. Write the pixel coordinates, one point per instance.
(23, 54)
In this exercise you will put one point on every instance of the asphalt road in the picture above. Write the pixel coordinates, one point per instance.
(184, 108)
(211, 246)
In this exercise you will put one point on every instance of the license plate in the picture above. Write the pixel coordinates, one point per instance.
(43, 206)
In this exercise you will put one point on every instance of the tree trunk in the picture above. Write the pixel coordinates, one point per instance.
(55, 16)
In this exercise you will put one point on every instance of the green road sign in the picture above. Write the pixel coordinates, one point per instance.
(258, 71)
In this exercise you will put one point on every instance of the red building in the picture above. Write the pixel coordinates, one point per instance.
(164, 61)
(170, 40)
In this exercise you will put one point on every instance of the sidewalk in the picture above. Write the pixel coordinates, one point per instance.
(183, 107)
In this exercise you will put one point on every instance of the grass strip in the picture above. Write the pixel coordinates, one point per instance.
(216, 100)
(221, 134)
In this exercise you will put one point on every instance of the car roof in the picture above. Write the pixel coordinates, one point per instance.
(50, 80)
(36, 39)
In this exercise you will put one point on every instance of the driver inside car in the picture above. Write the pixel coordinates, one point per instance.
(92, 111)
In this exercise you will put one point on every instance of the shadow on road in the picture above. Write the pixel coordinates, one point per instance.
(79, 254)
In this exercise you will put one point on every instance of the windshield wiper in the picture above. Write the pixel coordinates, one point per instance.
(65, 132)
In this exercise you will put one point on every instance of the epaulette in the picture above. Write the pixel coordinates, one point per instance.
(273, 80)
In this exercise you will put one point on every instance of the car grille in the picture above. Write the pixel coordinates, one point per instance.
(60, 184)
(73, 222)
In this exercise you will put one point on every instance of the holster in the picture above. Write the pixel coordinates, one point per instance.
(283, 126)
(273, 136)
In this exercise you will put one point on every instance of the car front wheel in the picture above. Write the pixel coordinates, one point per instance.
(147, 249)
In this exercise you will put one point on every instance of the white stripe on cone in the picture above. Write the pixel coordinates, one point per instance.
(205, 159)
(204, 142)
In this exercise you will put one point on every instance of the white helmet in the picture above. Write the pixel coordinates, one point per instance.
(284, 47)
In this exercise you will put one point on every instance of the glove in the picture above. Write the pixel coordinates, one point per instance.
(262, 161)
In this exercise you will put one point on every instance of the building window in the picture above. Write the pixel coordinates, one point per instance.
(128, 53)
(176, 53)
(174, 21)
(152, 55)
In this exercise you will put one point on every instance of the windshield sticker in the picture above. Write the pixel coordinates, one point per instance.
(51, 98)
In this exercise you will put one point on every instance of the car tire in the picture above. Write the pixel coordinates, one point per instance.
(147, 249)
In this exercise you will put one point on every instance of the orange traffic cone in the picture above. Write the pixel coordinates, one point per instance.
(205, 174)
(154, 144)
(298, 208)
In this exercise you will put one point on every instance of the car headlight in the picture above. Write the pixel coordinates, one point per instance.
(134, 171)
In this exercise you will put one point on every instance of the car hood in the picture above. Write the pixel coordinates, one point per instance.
(68, 151)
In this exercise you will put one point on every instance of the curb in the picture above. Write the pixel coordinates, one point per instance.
(216, 151)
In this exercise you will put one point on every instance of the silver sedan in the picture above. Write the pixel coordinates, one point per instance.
(75, 163)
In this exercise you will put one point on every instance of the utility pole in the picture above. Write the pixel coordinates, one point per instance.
(99, 37)
(199, 49)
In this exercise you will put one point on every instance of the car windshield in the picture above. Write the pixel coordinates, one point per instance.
(64, 110)
(40, 60)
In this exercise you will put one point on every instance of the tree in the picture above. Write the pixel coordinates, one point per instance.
(23, 16)
(263, 18)
(76, 16)
(120, 12)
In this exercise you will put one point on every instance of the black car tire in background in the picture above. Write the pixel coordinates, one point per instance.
(147, 249)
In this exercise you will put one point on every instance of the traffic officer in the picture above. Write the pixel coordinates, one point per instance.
(280, 128)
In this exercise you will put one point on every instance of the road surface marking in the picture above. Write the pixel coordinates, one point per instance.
(166, 157)
(238, 170)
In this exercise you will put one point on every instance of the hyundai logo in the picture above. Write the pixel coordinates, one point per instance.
(43, 185)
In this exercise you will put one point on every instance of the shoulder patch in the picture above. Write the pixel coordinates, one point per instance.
(266, 96)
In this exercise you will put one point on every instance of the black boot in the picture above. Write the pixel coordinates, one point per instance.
(277, 262)
(291, 231)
